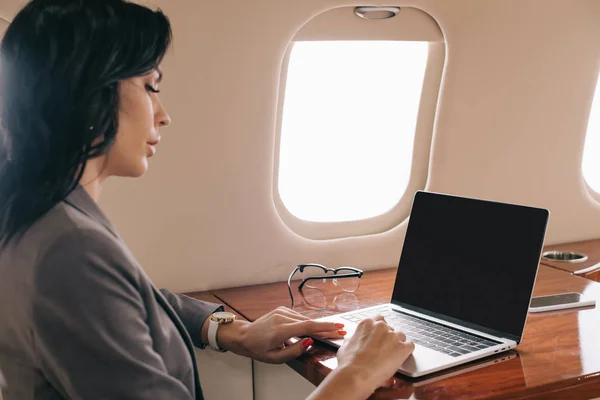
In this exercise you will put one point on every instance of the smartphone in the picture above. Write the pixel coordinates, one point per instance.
(559, 302)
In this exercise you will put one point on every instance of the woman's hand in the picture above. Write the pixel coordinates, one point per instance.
(376, 350)
(263, 339)
(365, 361)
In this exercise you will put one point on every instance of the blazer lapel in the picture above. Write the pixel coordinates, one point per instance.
(184, 334)
(81, 200)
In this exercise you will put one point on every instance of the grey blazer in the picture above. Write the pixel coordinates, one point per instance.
(79, 318)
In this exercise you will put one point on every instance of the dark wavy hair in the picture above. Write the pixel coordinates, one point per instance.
(60, 64)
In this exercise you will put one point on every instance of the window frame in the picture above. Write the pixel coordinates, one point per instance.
(418, 171)
(595, 194)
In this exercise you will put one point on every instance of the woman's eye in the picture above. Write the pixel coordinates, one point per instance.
(151, 89)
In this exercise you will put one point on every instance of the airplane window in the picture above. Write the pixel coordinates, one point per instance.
(591, 161)
(348, 125)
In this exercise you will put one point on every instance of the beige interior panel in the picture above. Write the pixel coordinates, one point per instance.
(513, 107)
(409, 24)
(8, 8)
(3, 26)
(514, 101)
(213, 367)
(276, 382)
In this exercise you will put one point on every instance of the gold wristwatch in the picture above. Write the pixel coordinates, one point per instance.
(215, 320)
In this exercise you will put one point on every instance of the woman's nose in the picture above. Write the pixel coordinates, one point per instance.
(162, 117)
(165, 121)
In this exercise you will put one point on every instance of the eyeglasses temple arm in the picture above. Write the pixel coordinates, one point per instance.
(289, 283)
(302, 284)
(350, 268)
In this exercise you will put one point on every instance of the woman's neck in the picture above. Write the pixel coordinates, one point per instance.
(93, 177)
(93, 189)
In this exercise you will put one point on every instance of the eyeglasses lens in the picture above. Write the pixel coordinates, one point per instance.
(349, 283)
(311, 272)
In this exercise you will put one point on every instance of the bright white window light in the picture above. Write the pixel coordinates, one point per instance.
(348, 126)
(591, 150)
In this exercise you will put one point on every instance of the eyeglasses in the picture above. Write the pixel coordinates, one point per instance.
(315, 276)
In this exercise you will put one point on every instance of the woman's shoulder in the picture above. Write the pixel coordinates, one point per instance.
(67, 254)
(63, 219)
(68, 241)
(85, 253)
(60, 224)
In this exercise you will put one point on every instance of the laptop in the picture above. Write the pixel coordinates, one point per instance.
(464, 280)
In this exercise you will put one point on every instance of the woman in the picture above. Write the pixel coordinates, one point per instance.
(79, 319)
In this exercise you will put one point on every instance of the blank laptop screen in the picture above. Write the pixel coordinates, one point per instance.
(471, 260)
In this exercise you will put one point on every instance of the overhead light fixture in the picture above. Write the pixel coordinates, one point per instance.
(367, 12)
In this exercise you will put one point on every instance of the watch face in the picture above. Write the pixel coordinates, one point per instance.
(223, 317)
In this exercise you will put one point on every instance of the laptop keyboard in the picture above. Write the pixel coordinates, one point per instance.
(429, 334)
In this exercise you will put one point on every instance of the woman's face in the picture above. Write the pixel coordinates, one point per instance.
(141, 114)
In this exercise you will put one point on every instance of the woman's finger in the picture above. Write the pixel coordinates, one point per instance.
(291, 313)
(334, 334)
(279, 320)
(379, 317)
(338, 334)
(289, 352)
(306, 328)
(401, 336)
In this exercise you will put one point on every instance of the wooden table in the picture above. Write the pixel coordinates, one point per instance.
(589, 247)
(207, 296)
(558, 358)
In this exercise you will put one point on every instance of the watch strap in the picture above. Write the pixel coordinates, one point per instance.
(213, 326)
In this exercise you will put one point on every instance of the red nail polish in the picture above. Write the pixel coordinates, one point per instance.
(339, 326)
(307, 342)
(342, 333)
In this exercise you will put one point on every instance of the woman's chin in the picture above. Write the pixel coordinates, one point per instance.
(134, 171)
(140, 171)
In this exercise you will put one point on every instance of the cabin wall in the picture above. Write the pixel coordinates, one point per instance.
(513, 106)
(276, 382)
(511, 119)
(510, 125)
(226, 375)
